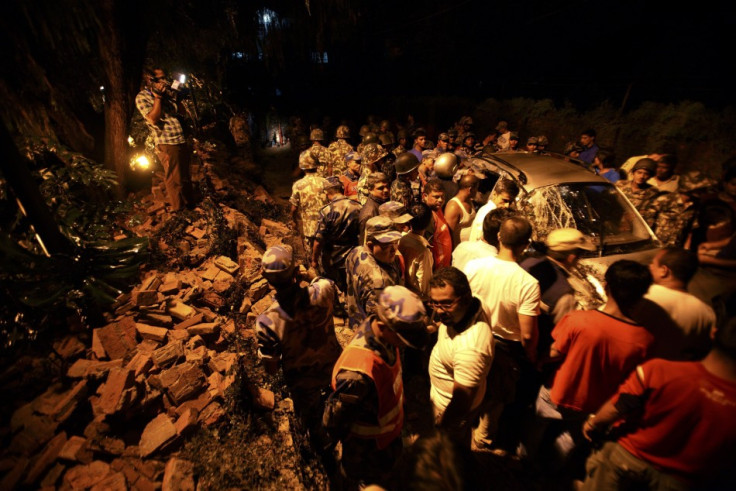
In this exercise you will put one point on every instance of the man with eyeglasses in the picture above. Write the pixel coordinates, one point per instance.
(366, 410)
(461, 358)
(372, 267)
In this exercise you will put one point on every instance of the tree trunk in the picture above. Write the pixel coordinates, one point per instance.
(121, 40)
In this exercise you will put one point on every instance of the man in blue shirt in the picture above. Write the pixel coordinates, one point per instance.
(590, 148)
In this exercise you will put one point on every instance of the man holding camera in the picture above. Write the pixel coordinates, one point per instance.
(159, 107)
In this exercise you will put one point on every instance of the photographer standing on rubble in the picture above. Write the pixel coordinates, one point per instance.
(159, 104)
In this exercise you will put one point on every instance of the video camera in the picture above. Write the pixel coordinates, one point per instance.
(176, 91)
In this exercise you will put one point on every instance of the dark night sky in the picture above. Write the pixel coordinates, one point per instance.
(577, 50)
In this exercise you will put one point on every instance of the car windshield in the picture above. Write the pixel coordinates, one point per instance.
(596, 209)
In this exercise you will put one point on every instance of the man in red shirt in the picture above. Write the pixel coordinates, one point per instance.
(598, 349)
(681, 430)
(440, 232)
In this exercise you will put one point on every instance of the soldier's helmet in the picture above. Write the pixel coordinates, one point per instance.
(307, 160)
(385, 139)
(514, 136)
(532, 140)
(402, 311)
(695, 181)
(542, 141)
(405, 163)
(445, 165)
(342, 132)
(277, 264)
(317, 135)
(364, 130)
(373, 152)
(370, 138)
(401, 134)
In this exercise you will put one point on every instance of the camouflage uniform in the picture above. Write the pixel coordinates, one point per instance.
(638, 198)
(339, 150)
(308, 198)
(407, 193)
(399, 150)
(362, 191)
(670, 218)
(325, 158)
(305, 342)
(338, 231)
(366, 277)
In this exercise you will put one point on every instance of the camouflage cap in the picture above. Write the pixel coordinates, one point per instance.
(443, 137)
(277, 261)
(331, 183)
(342, 132)
(502, 126)
(514, 136)
(466, 120)
(532, 140)
(542, 140)
(395, 211)
(468, 134)
(694, 180)
(381, 229)
(353, 156)
(403, 312)
(568, 239)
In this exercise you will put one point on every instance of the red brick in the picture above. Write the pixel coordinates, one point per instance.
(12, 478)
(86, 476)
(117, 382)
(195, 319)
(69, 347)
(97, 350)
(168, 355)
(187, 421)
(140, 364)
(45, 459)
(157, 433)
(212, 414)
(150, 332)
(118, 339)
(142, 298)
(75, 449)
(52, 476)
(113, 482)
(204, 329)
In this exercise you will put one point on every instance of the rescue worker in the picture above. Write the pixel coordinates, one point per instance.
(297, 333)
(365, 412)
(337, 232)
(339, 149)
(406, 188)
(324, 157)
(307, 199)
(372, 267)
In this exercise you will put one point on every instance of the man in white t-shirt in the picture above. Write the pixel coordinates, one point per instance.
(672, 268)
(512, 298)
(461, 358)
(470, 250)
(503, 196)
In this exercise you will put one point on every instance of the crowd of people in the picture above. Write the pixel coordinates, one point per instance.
(442, 278)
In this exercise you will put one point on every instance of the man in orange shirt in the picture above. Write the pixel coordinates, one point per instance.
(440, 233)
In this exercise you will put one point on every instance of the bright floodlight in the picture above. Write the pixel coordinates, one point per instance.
(182, 79)
(142, 162)
(131, 141)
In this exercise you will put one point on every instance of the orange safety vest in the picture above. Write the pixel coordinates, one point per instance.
(389, 386)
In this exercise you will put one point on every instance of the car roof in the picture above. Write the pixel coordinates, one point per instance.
(534, 171)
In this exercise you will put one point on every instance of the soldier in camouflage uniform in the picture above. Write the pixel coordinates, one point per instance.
(350, 177)
(637, 190)
(367, 140)
(401, 139)
(671, 215)
(339, 149)
(324, 157)
(337, 232)
(365, 411)
(297, 333)
(406, 188)
(371, 268)
(373, 154)
(307, 198)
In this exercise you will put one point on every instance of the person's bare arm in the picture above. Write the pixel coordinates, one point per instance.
(717, 261)
(600, 421)
(453, 214)
(316, 250)
(459, 406)
(529, 335)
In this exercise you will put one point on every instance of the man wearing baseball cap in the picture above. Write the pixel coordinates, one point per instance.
(365, 412)
(372, 267)
(555, 272)
(297, 333)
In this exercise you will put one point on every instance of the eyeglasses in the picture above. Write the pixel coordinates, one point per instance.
(443, 304)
